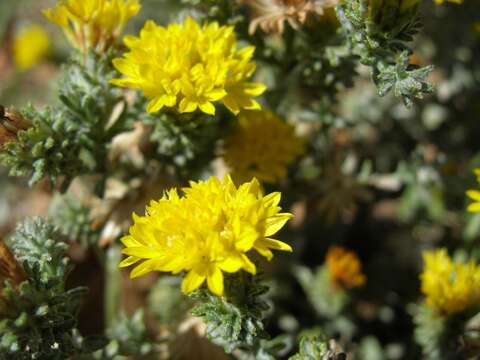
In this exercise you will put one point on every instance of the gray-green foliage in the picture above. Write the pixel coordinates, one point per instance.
(235, 320)
(379, 35)
(47, 149)
(73, 220)
(72, 137)
(166, 302)
(326, 300)
(44, 312)
(219, 10)
(185, 141)
(437, 334)
(316, 348)
(129, 337)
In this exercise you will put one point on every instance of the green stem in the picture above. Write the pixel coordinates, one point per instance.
(112, 285)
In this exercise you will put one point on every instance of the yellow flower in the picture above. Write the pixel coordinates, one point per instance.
(206, 232)
(474, 195)
(440, 2)
(344, 268)
(262, 146)
(450, 287)
(92, 24)
(189, 67)
(30, 46)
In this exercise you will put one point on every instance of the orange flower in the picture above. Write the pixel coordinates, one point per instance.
(344, 267)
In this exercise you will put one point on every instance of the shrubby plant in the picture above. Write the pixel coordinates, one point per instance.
(298, 168)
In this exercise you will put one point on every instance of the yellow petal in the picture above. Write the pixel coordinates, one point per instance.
(231, 264)
(155, 105)
(277, 245)
(128, 261)
(474, 207)
(143, 268)
(187, 106)
(216, 95)
(207, 108)
(215, 281)
(272, 200)
(254, 89)
(142, 252)
(474, 194)
(248, 265)
(231, 104)
(263, 250)
(192, 281)
(275, 223)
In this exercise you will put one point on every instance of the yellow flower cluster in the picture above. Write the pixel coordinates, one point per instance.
(344, 268)
(30, 46)
(206, 232)
(92, 24)
(474, 195)
(450, 287)
(262, 147)
(189, 67)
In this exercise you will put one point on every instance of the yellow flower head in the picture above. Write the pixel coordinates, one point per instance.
(92, 24)
(262, 147)
(449, 287)
(30, 46)
(189, 67)
(474, 195)
(344, 267)
(206, 232)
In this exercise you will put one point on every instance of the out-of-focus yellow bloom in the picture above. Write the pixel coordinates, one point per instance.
(92, 24)
(206, 232)
(262, 146)
(189, 67)
(449, 287)
(474, 195)
(30, 46)
(344, 268)
(439, 2)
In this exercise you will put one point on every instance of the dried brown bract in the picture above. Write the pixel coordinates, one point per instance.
(10, 270)
(271, 15)
(11, 122)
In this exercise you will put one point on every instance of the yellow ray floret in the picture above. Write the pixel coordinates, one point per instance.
(344, 268)
(206, 232)
(450, 287)
(92, 24)
(262, 146)
(189, 67)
